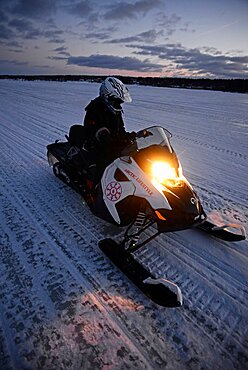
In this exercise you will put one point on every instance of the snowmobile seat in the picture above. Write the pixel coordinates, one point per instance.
(77, 135)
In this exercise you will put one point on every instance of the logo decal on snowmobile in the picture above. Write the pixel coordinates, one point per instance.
(113, 191)
(139, 181)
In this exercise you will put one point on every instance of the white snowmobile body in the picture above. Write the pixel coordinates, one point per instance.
(129, 182)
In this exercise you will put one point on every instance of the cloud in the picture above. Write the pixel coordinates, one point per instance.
(50, 23)
(123, 10)
(169, 23)
(56, 41)
(24, 29)
(102, 34)
(13, 62)
(99, 35)
(147, 36)
(22, 25)
(52, 33)
(3, 16)
(115, 62)
(14, 44)
(6, 33)
(35, 9)
(211, 50)
(197, 62)
(81, 9)
(62, 50)
(57, 58)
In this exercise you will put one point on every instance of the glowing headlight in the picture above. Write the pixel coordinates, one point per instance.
(162, 171)
(165, 174)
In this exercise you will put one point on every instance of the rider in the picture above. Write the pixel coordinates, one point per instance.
(103, 121)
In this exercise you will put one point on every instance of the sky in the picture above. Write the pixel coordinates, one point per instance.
(158, 38)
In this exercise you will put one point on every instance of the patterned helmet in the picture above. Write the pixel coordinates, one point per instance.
(114, 93)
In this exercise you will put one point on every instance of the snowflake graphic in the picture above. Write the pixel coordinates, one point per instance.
(113, 191)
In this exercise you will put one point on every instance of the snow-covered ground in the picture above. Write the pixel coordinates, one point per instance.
(63, 305)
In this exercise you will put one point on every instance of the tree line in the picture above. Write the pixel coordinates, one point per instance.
(229, 85)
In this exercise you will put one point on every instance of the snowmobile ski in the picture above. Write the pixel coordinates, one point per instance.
(223, 232)
(161, 291)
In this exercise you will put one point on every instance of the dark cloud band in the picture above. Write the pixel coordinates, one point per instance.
(115, 62)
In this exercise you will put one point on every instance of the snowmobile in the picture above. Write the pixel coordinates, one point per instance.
(142, 190)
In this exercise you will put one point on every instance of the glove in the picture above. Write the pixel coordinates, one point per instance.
(143, 133)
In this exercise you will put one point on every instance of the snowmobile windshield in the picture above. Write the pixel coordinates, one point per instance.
(155, 135)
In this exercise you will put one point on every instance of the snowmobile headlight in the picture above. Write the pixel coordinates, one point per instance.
(165, 174)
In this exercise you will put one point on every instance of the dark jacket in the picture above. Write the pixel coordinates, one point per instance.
(99, 115)
(105, 149)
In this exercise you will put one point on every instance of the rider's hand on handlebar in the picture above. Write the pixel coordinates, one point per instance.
(144, 133)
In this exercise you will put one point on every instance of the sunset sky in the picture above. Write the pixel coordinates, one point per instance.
(192, 38)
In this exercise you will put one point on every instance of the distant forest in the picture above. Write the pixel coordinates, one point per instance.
(229, 85)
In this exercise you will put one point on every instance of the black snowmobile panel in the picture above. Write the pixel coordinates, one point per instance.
(69, 155)
(99, 209)
(77, 135)
(59, 149)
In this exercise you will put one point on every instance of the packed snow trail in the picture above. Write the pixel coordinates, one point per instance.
(63, 305)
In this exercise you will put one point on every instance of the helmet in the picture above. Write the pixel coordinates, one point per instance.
(114, 93)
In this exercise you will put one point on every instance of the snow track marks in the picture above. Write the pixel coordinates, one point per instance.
(62, 303)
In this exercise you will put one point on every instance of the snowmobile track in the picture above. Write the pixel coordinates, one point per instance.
(212, 147)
